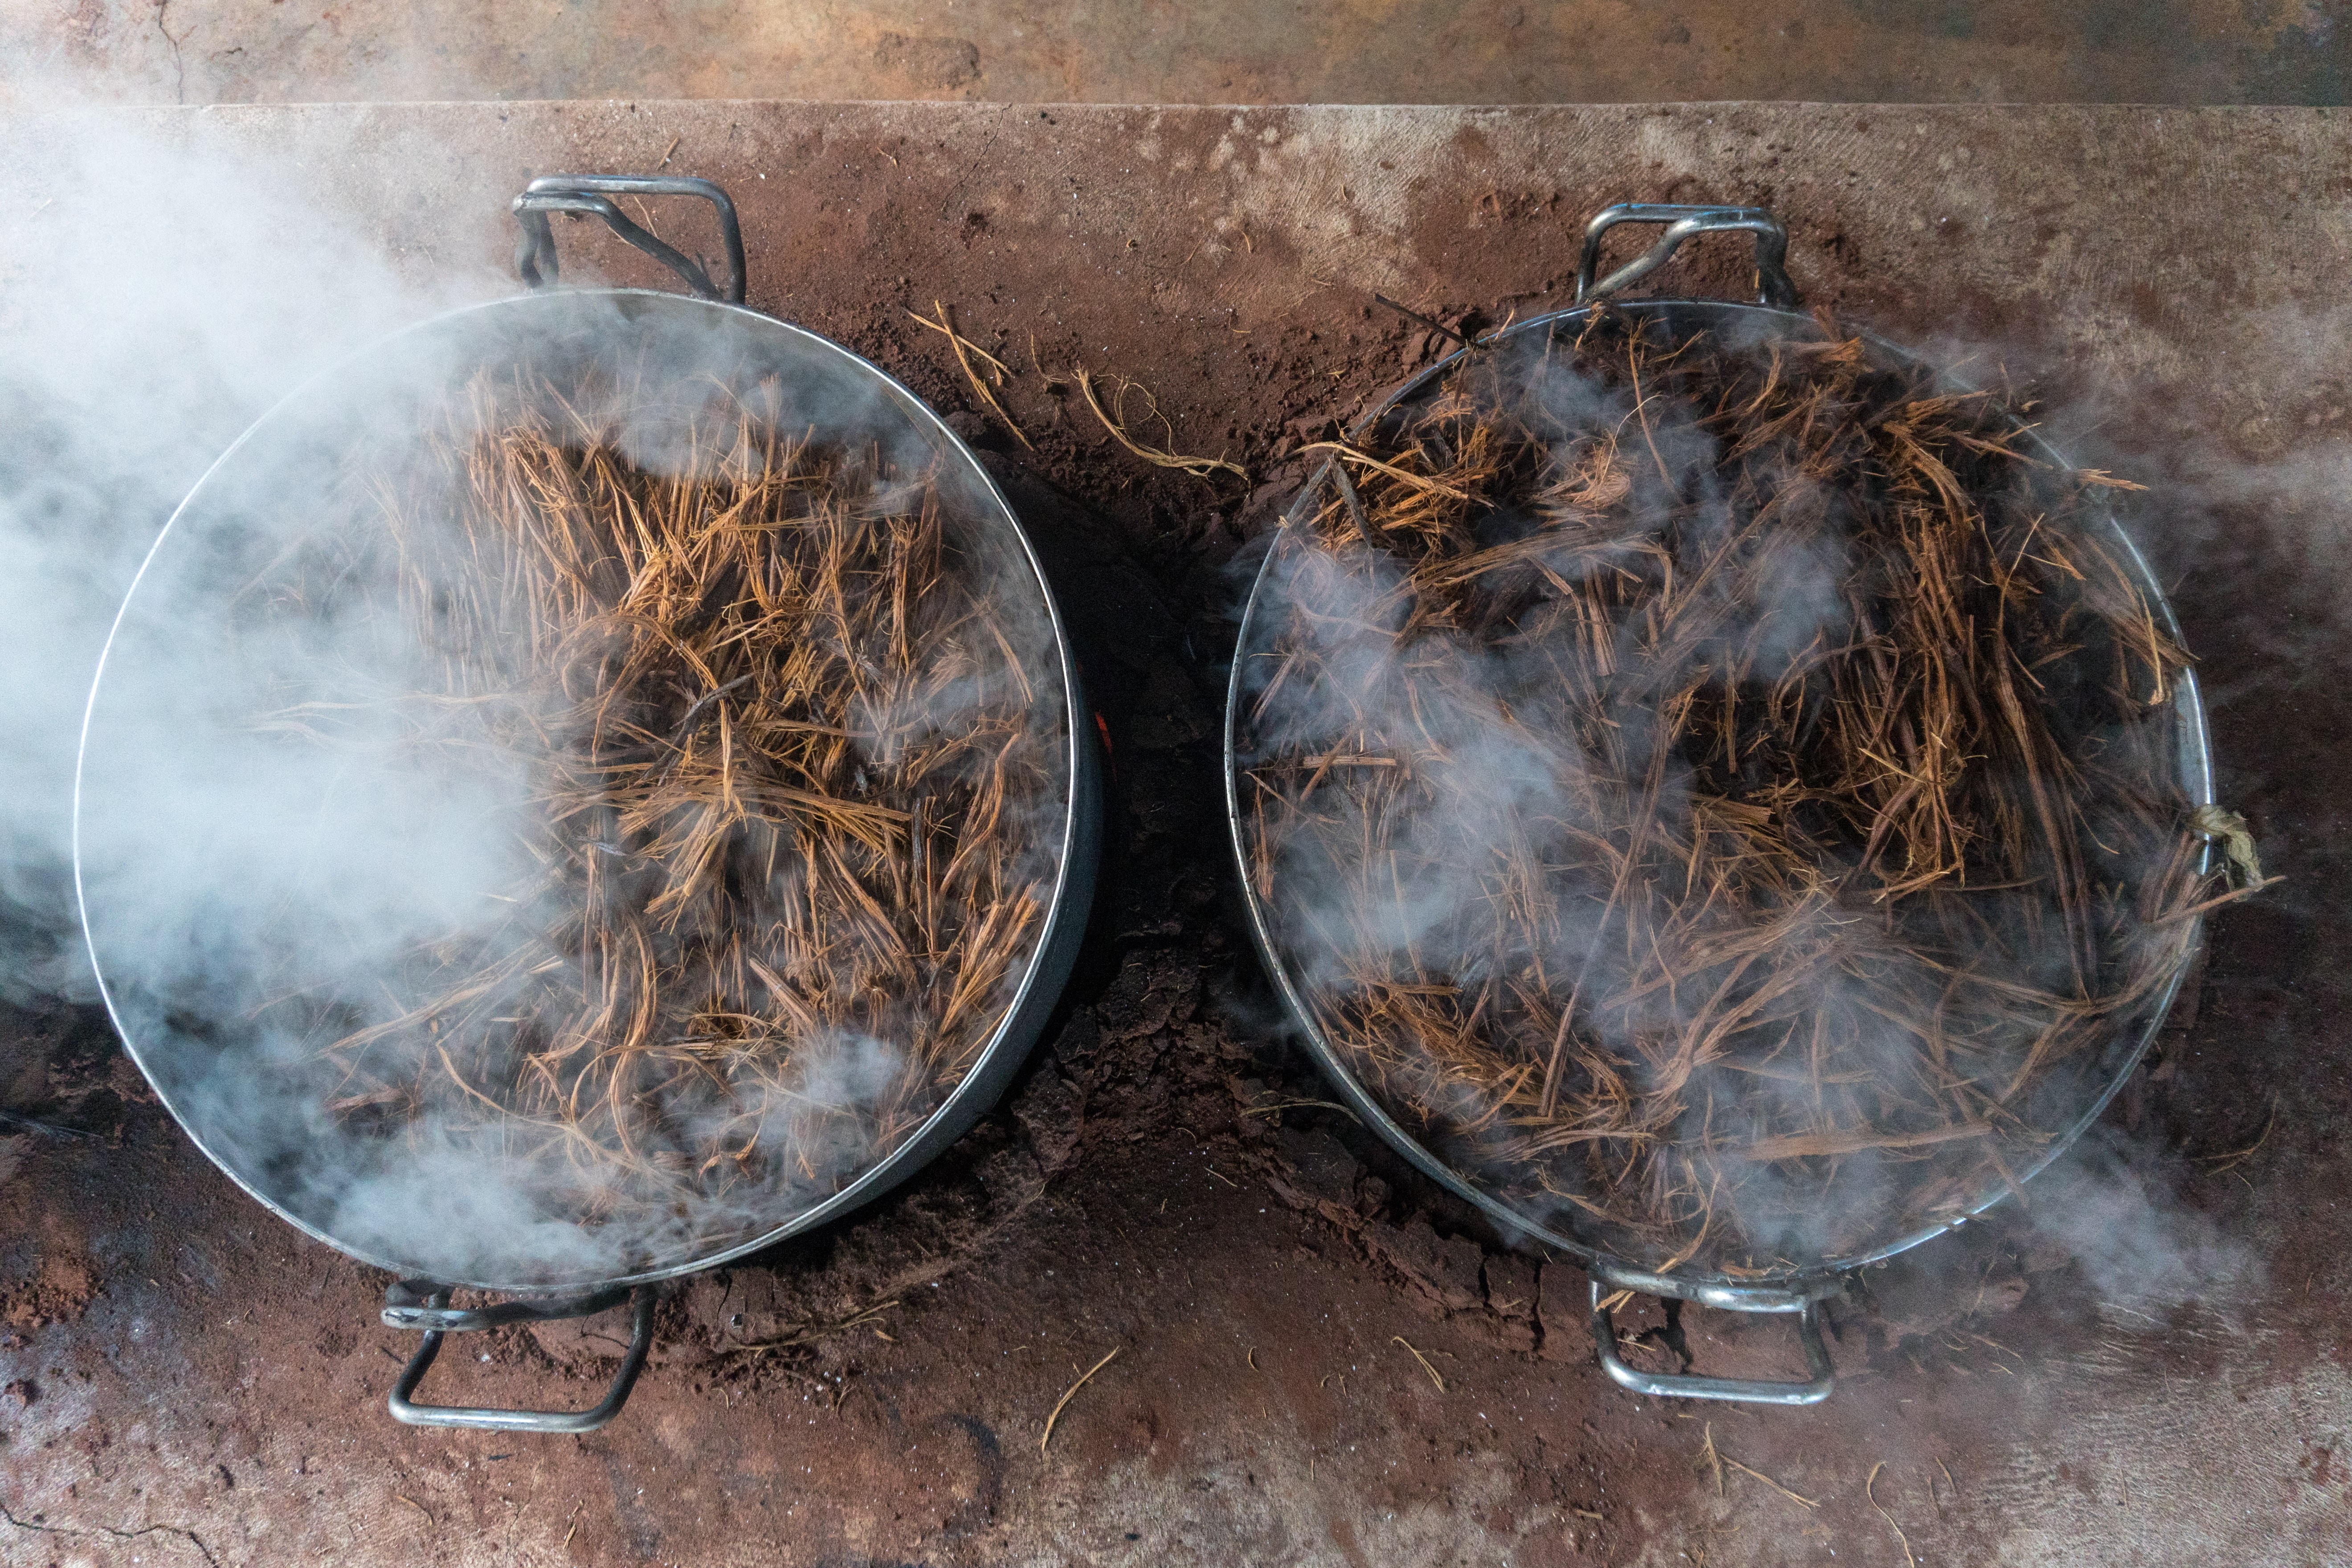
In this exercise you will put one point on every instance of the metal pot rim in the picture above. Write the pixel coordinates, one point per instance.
(997, 1059)
(1782, 1290)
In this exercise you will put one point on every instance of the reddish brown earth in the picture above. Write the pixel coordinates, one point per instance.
(1218, 51)
(1320, 1359)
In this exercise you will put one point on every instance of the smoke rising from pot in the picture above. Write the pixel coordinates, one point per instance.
(258, 817)
(1464, 883)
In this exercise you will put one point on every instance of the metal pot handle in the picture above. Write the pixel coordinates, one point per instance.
(1772, 285)
(1687, 1385)
(420, 1304)
(535, 255)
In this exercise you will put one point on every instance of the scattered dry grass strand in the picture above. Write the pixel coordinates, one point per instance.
(1069, 1393)
(1113, 419)
(965, 352)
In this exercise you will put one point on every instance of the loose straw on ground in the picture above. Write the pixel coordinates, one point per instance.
(964, 347)
(2216, 1164)
(1868, 1483)
(1758, 1475)
(1401, 1340)
(1200, 466)
(1710, 1458)
(811, 1333)
(1060, 1405)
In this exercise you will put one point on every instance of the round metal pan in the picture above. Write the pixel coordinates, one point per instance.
(1799, 1290)
(392, 380)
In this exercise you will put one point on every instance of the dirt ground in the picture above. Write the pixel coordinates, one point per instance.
(1205, 51)
(1317, 1358)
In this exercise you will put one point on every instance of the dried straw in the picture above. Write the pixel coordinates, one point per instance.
(1846, 830)
(793, 770)
(1114, 419)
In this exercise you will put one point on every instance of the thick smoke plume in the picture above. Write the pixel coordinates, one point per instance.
(154, 304)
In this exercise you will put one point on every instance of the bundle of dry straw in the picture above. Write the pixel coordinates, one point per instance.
(1728, 796)
(797, 774)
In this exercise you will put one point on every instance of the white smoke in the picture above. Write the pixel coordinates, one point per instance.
(263, 814)
(1500, 780)
(154, 303)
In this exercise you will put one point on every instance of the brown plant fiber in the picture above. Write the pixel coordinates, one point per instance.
(796, 785)
(1726, 799)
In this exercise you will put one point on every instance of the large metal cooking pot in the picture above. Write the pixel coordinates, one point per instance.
(1798, 1291)
(164, 650)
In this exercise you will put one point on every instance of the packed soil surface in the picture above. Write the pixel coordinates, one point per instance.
(1315, 1356)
